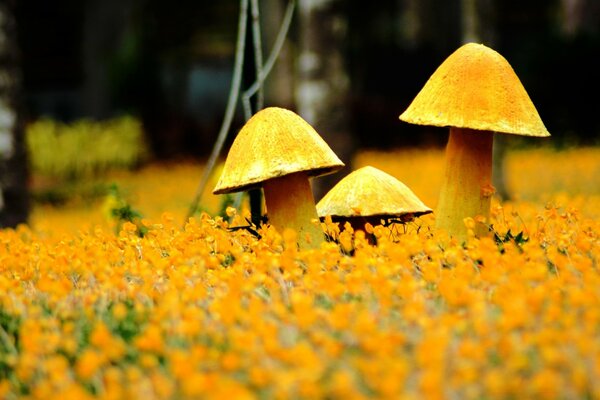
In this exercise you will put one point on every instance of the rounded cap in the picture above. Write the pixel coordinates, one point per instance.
(476, 88)
(370, 192)
(275, 142)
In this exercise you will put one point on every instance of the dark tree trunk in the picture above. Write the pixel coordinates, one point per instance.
(322, 86)
(478, 22)
(100, 49)
(14, 198)
(279, 84)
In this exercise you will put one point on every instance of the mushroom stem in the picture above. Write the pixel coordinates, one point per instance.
(290, 204)
(467, 187)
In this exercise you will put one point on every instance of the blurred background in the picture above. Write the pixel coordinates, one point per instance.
(156, 74)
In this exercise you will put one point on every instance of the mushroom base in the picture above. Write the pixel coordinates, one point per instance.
(290, 204)
(467, 187)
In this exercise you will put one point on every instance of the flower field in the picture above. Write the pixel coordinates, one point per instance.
(208, 312)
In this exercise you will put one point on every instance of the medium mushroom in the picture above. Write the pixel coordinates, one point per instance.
(475, 92)
(279, 151)
(370, 195)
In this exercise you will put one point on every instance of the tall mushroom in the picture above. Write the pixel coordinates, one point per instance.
(475, 92)
(279, 151)
(370, 195)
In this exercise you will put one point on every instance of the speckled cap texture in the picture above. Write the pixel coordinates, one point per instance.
(476, 88)
(273, 143)
(370, 192)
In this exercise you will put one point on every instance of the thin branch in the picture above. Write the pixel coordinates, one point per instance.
(264, 72)
(255, 195)
(258, 61)
(258, 54)
(279, 41)
(229, 111)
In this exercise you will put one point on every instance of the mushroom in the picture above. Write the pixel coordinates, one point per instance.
(370, 195)
(475, 92)
(279, 151)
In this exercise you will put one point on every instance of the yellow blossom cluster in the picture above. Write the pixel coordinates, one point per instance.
(214, 310)
(532, 174)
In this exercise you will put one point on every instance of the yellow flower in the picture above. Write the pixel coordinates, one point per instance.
(150, 339)
(205, 311)
(119, 311)
(88, 363)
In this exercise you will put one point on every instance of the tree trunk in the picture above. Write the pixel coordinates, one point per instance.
(322, 86)
(14, 198)
(478, 26)
(99, 49)
(279, 84)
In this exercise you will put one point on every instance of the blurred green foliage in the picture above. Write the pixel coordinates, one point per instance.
(120, 211)
(84, 148)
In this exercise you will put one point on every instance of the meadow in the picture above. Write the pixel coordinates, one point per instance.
(96, 307)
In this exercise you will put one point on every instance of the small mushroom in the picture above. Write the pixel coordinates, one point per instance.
(475, 92)
(370, 195)
(279, 151)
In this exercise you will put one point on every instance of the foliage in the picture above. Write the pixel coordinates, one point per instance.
(84, 148)
(118, 209)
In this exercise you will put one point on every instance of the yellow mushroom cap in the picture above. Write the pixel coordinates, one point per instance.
(476, 88)
(370, 192)
(275, 142)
